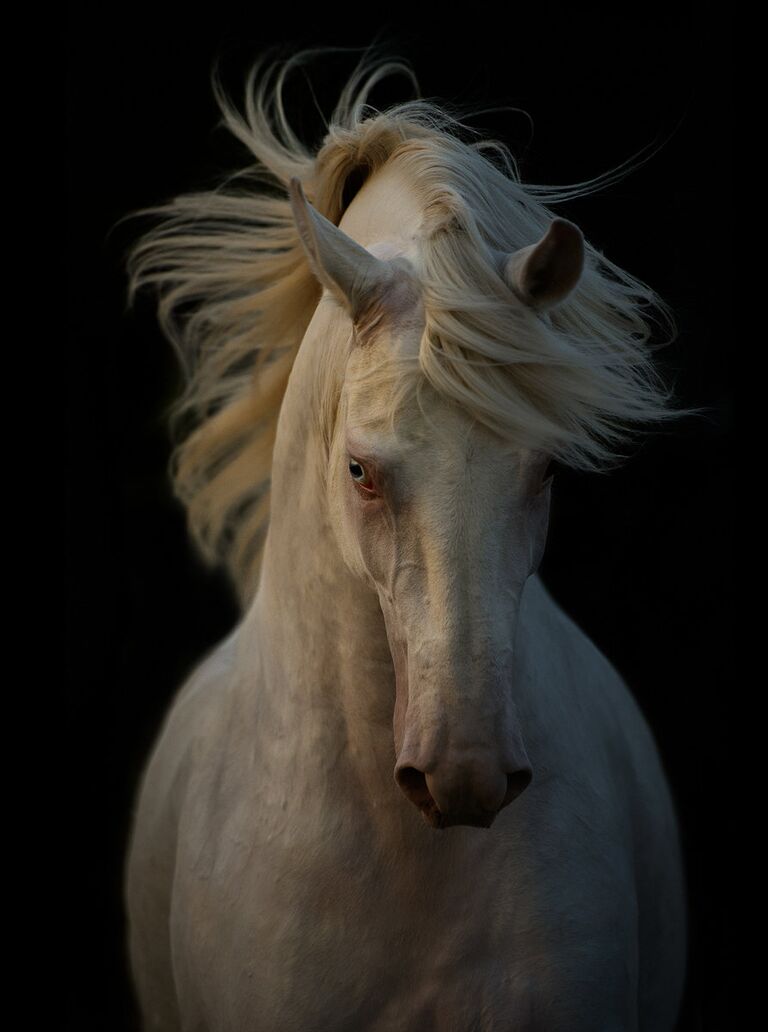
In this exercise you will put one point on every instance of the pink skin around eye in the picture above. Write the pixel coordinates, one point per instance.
(366, 492)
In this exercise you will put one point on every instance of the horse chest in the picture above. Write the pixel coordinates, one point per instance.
(322, 949)
(323, 929)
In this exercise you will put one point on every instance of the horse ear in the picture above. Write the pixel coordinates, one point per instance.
(351, 273)
(546, 272)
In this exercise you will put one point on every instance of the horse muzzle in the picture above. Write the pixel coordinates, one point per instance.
(470, 791)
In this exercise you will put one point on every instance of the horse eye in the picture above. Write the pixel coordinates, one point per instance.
(357, 471)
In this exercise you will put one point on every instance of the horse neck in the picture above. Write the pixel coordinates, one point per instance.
(326, 668)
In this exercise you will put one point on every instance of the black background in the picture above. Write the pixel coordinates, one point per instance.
(640, 557)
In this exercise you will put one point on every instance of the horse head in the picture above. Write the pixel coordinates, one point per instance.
(443, 518)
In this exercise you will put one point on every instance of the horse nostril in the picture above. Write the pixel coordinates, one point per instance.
(516, 785)
(461, 802)
(414, 784)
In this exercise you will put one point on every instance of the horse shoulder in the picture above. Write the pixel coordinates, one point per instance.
(151, 857)
(606, 733)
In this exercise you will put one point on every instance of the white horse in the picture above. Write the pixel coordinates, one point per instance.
(407, 793)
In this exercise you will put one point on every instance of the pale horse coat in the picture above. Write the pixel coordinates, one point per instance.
(279, 879)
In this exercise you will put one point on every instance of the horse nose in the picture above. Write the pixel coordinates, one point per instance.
(470, 794)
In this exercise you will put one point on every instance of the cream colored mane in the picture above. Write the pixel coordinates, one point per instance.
(235, 296)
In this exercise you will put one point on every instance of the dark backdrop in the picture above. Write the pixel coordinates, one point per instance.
(640, 557)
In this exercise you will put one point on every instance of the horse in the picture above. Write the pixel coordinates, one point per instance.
(407, 792)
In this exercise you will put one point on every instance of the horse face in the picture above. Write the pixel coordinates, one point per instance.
(445, 521)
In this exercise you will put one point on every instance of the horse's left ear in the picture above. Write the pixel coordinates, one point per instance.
(544, 273)
(348, 270)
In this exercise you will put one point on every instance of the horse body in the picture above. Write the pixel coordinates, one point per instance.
(319, 901)
(279, 879)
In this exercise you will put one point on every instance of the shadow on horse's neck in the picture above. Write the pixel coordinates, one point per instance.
(319, 629)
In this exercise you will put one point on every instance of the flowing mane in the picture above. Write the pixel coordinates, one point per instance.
(235, 297)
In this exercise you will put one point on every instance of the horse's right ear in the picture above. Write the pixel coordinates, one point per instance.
(546, 272)
(352, 274)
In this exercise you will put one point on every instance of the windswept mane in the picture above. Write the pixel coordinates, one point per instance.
(235, 296)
